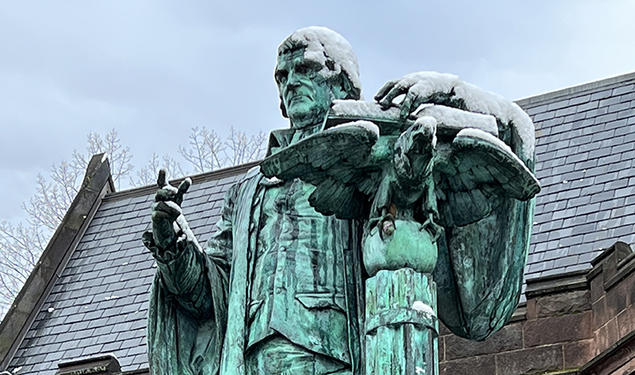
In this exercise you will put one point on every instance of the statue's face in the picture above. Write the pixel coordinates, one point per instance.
(306, 94)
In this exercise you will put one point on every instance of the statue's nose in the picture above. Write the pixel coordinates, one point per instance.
(293, 79)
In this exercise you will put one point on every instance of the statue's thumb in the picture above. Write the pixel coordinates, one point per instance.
(148, 241)
(184, 186)
(182, 189)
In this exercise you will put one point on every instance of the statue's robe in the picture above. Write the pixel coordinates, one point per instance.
(200, 304)
(479, 277)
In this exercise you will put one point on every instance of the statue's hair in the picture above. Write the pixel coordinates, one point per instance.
(332, 52)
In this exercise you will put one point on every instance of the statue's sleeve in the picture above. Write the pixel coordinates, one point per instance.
(188, 303)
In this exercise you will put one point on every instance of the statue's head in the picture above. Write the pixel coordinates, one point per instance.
(315, 66)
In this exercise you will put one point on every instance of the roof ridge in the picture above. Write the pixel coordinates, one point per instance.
(575, 89)
(197, 178)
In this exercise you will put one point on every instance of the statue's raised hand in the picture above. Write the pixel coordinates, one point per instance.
(166, 209)
(416, 89)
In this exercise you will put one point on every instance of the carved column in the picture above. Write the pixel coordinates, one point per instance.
(401, 323)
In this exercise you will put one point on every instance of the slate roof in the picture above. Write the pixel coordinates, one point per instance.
(585, 156)
(585, 152)
(99, 304)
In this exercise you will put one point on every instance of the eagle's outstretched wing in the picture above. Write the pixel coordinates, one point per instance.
(484, 194)
(473, 173)
(340, 162)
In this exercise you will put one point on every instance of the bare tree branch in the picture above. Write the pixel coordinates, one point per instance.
(242, 148)
(118, 155)
(205, 150)
(20, 247)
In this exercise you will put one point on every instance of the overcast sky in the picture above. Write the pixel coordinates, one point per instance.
(154, 69)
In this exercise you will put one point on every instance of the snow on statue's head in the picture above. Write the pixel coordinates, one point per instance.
(334, 53)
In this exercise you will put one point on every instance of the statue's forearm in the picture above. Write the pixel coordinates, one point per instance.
(184, 275)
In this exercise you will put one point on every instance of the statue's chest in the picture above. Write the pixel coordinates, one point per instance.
(297, 243)
(289, 201)
(288, 224)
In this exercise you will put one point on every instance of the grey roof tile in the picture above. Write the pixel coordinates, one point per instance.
(537, 109)
(624, 89)
(579, 99)
(601, 94)
(587, 106)
(566, 261)
(597, 149)
(558, 104)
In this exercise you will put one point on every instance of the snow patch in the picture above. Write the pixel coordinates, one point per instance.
(355, 109)
(422, 307)
(477, 100)
(366, 125)
(476, 133)
(430, 123)
(187, 234)
(459, 119)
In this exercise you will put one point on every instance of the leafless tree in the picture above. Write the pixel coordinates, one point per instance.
(241, 148)
(204, 151)
(55, 194)
(119, 155)
(20, 248)
(207, 151)
(21, 245)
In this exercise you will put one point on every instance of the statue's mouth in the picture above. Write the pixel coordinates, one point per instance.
(299, 97)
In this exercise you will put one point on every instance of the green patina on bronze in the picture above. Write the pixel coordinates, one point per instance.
(366, 223)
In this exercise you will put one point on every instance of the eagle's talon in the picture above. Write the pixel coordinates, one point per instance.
(433, 228)
(386, 226)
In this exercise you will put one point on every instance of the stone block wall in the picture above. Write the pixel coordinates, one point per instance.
(612, 296)
(535, 344)
(571, 324)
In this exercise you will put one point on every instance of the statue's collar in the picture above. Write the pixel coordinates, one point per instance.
(281, 138)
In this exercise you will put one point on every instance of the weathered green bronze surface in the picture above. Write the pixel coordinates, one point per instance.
(366, 223)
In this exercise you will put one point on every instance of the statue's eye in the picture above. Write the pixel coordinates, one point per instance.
(307, 68)
(302, 69)
(281, 75)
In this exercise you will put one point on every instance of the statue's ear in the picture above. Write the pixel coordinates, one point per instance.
(348, 88)
(342, 88)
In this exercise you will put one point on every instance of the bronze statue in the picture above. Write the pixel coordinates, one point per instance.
(331, 259)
